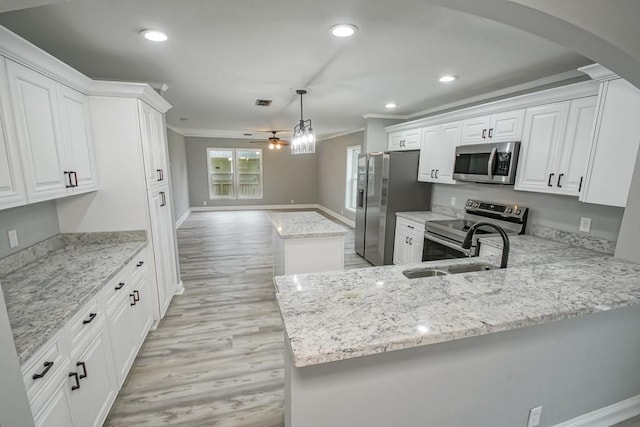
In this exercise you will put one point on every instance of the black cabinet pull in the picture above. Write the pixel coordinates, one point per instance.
(164, 199)
(406, 239)
(47, 366)
(549, 182)
(159, 175)
(140, 264)
(484, 133)
(134, 299)
(84, 369)
(91, 317)
(491, 133)
(580, 186)
(75, 178)
(410, 226)
(432, 172)
(77, 386)
(437, 170)
(559, 179)
(120, 286)
(411, 241)
(137, 296)
(67, 174)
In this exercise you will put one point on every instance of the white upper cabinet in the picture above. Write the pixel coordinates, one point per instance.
(37, 117)
(153, 145)
(497, 127)
(12, 192)
(437, 152)
(80, 159)
(614, 144)
(405, 140)
(54, 134)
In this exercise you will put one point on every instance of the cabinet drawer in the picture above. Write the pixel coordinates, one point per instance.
(139, 265)
(83, 322)
(411, 227)
(43, 366)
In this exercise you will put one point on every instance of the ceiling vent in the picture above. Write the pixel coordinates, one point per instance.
(263, 102)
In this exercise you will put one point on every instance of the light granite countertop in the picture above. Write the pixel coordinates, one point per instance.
(423, 216)
(386, 311)
(43, 295)
(299, 225)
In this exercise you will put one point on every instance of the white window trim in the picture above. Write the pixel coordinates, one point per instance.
(350, 175)
(209, 173)
(238, 195)
(235, 174)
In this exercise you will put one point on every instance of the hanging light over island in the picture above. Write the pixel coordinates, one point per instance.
(304, 139)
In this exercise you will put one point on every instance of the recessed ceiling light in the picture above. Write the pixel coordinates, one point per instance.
(154, 35)
(448, 78)
(344, 30)
(390, 105)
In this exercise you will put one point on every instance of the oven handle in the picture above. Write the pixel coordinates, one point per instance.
(492, 158)
(443, 241)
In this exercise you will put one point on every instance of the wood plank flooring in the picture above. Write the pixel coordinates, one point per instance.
(216, 359)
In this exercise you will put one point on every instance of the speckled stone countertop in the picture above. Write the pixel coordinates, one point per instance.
(299, 225)
(43, 295)
(387, 311)
(423, 216)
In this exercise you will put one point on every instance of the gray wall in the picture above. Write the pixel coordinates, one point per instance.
(332, 172)
(559, 212)
(375, 136)
(286, 177)
(179, 178)
(628, 244)
(34, 223)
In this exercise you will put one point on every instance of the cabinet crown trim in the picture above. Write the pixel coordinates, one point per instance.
(598, 72)
(130, 90)
(548, 96)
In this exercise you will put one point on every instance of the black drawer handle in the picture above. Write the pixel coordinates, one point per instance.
(159, 174)
(75, 178)
(580, 186)
(410, 226)
(140, 264)
(134, 299)
(559, 179)
(437, 170)
(91, 317)
(549, 182)
(120, 286)
(47, 366)
(70, 184)
(491, 133)
(484, 133)
(137, 295)
(77, 386)
(84, 369)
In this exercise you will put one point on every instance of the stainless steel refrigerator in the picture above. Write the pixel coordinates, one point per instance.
(387, 183)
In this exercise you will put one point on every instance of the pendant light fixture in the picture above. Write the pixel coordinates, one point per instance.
(304, 139)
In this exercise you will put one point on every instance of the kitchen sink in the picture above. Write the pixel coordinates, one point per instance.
(417, 273)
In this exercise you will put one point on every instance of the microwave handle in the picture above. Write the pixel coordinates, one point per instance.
(492, 158)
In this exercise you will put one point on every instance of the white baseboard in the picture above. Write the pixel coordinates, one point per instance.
(337, 216)
(184, 216)
(180, 288)
(607, 416)
(251, 207)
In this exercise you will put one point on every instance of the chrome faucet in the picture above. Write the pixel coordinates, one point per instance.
(466, 244)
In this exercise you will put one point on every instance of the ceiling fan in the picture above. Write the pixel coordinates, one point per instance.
(273, 141)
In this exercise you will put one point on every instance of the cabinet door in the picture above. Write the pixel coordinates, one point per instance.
(92, 401)
(448, 140)
(414, 250)
(123, 349)
(412, 139)
(37, 119)
(142, 316)
(577, 141)
(147, 133)
(160, 145)
(506, 126)
(395, 139)
(475, 130)
(400, 246)
(426, 165)
(614, 145)
(78, 137)
(57, 410)
(539, 153)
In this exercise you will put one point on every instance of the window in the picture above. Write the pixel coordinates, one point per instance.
(351, 191)
(234, 173)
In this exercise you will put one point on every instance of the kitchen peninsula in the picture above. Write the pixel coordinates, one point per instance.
(306, 242)
(378, 349)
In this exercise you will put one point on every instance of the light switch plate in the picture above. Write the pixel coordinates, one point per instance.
(453, 201)
(13, 238)
(585, 224)
(534, 416)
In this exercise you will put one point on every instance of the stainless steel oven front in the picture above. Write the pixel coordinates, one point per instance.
(492, 162)
(440, 247)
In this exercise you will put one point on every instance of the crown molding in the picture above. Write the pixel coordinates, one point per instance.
(598, 72)
(213, 133)
(386, 116)
(130, 90)
(338, 135)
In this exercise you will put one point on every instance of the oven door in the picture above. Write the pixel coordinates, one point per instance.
(491, 163)
(437, 248)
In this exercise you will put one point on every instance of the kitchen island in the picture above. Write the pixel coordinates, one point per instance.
(306, 242)
(370, 347)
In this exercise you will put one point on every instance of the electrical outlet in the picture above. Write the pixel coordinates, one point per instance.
(585, 224)
(204, 203)
(292, 201)
(453, 201)
(534, 416)
(13, 238)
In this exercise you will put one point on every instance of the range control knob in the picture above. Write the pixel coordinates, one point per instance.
(476, 205)
(469, 203)
(518, 211)
(509, 210)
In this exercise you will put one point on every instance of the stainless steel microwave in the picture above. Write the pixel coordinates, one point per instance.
(493, 162)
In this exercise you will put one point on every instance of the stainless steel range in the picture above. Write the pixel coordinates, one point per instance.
(443, 238)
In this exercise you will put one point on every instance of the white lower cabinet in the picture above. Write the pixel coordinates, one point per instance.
(408, 242)
(57, 410)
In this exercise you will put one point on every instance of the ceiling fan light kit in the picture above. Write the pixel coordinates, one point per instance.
(304, 138)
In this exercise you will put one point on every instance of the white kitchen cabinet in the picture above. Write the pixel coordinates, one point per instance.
(120, 319)
(555, 147)
(153, 142)
(614, 144)
(92, 380)
(499, 127)
(56, 411)
(408, 242)
(142, 317)
(405, 140)
(437, 153)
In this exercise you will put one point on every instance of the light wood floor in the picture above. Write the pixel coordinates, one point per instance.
(216, 359)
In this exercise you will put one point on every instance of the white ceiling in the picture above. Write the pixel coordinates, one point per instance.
(222, 55)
